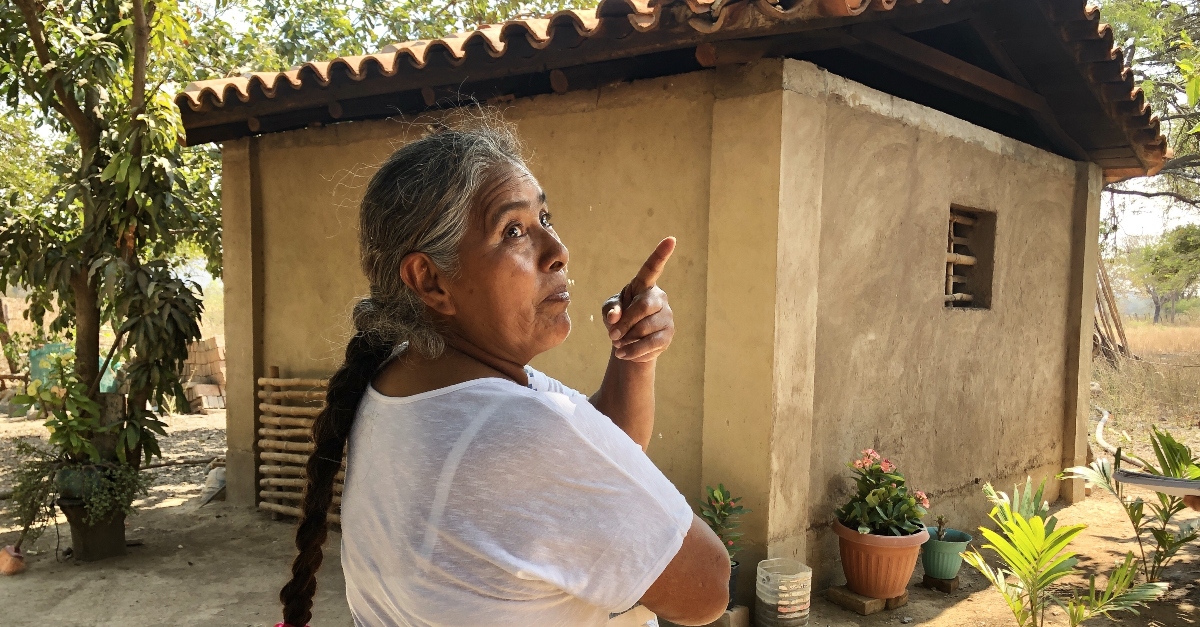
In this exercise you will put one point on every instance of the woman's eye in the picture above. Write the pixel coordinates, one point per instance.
(514, 230)
(545, 219)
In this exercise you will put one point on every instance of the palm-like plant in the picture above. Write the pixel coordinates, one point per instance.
(1119, 595)
(1036, 555)
(1174, 460)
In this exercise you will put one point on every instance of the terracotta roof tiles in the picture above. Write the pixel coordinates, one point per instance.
(1090, 42)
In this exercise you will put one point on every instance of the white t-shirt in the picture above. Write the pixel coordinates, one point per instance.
(487, 503)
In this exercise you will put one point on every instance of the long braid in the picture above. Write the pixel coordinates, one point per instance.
(364, 356)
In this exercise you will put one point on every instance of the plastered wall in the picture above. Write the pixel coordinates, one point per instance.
(956, 397)
(807, 286)
(622, 167)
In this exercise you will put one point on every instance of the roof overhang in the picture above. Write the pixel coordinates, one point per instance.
(1045, 72)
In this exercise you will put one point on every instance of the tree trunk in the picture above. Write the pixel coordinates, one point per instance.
(6, 340)
(1157, 311)
(87, 328)
(112, 412)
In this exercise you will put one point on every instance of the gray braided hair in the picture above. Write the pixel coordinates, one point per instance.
(419, 201)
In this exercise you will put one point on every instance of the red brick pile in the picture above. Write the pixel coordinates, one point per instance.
(204, 374)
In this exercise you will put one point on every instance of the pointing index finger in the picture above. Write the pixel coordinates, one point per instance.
(648, 275)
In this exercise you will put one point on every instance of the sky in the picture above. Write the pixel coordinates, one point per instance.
(1153, 217)
(1146, 217)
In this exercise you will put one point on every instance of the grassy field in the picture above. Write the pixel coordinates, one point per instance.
(1160, 389)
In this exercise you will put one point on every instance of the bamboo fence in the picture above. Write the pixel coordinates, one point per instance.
(287, 408)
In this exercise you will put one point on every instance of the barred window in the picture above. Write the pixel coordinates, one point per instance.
(970, 241)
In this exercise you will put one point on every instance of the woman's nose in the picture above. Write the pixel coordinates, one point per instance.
(554, 254)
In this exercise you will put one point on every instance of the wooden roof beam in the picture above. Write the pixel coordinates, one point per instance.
(910, 53)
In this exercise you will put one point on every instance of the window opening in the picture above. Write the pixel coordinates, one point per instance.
(970, 239)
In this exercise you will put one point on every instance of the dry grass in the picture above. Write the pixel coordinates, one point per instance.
(1160, 389)
(1160, 339)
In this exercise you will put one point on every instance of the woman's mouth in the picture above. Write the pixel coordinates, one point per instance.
(558, 297)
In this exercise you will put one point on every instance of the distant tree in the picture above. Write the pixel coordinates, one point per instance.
(24, 179)
(1167, 268)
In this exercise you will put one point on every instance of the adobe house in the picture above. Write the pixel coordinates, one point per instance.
(887, 218)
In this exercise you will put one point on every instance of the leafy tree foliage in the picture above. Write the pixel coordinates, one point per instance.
(270, 35)
(93, 245)
(1158, 38)
(1167, 268)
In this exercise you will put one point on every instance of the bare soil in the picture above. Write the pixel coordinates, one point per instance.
(220, 565)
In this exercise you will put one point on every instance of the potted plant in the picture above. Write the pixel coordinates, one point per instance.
(93, 490)
(879, 529)
(721, 511)
(941, 556)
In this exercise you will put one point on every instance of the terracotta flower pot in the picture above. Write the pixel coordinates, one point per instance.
(878, 566)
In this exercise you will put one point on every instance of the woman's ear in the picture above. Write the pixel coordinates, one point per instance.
(422, 276)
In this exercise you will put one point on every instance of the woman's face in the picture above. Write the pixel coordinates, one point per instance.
(510, 296)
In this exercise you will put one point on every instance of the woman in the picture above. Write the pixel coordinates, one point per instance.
(478, 490)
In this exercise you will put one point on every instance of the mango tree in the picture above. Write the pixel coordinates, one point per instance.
(96, 248)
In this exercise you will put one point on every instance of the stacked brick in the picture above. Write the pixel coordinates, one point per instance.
(204, 375)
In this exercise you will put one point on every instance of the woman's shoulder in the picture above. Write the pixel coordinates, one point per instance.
(499, 409)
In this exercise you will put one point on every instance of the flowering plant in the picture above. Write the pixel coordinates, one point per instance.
(721, 511)
(882, 504)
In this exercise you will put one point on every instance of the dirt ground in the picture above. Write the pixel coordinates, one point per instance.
(219, 565)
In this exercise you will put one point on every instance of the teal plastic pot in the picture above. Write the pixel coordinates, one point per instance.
(942, 558)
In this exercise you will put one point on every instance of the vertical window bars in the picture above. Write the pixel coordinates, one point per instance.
(959, 258)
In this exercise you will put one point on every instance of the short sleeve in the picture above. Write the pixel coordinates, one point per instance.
(585, 510)
(541, 382)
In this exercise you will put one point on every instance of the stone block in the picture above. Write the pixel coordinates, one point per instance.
(941, 585)
(739, 616)
(207, 389)
(896, 602)
(859, 604)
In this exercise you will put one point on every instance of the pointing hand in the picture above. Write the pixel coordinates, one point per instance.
(639, 319)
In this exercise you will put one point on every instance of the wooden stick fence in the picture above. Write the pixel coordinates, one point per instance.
(1108, 331)
(956, 249)
(288, 408)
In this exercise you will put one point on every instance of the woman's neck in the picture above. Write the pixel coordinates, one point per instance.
(412, 374)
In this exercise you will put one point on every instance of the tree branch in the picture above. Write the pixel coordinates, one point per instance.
(70, 106)
(107, 361)
(1180, 162)
(1195, 202)
(141, 44)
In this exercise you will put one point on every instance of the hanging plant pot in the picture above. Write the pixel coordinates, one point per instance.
(878, 566)
(91, 541)
(75, 480)
(942, 558)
